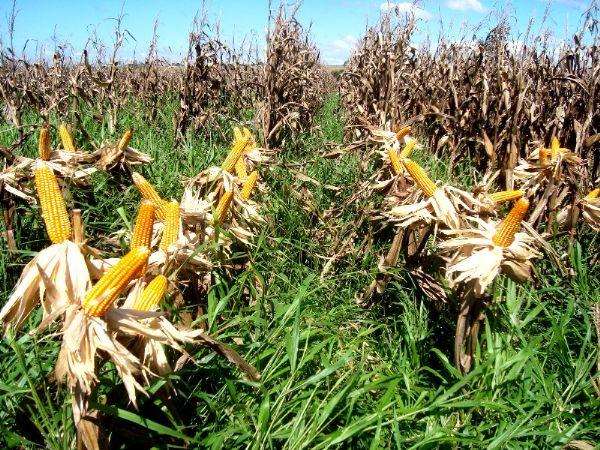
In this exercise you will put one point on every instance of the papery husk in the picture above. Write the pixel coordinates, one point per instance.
(109, 156)
(443, 207)
(474, 258)
(65, 266)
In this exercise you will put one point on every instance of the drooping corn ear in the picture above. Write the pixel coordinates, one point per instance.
(142, 230)
(395, 161)
(593, 194)
(66, 138)
(506, 196)
(171, 230)
(124, 142)
(543, 156)
(420, 177)
(237, 134)
(408, 148)
(148, 193)
(222, 207)
(52, 203)
(554, 147)
(109, 287)
(234, 154)
(505, 232)
(240, 169)
(402, 132)
(152, 294)
(44, 143)
(249, 185)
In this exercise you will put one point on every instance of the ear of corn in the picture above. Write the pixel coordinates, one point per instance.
(148, 193)
(237, 134)
(420, 177)
(152, 294)
(249, 185)
(395, 161)
(408, 148)
(543, 156)
(66, 138)
(223, 206)
(402, 132)
(240, 169)
(53, 206)
(171, 230)
(505, 196)
(505, 232)
(124, 142)
(236, 151)
(107, 289)
(142, 230)
(554, 148)
(593, 194)
(44, 143)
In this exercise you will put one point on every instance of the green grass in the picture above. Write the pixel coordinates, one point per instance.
(333, 375)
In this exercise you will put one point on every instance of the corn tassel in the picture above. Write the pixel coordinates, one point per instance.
(402, 132)
(66, 138)
(249, 185)
(223, 206)
(148, 193)
(505, 196)
(44, 143)
(593, 194)
(505, 232)
(142, 230)
(171, 230)
(408, 148)
(107, 289)
(420, 177)
(236, 151)
(543, 156)
(124, 142)
(395, 161)
(152, 294)
(240, 169)
(53, 206)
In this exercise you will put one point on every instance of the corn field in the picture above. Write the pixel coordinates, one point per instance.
(246, 249)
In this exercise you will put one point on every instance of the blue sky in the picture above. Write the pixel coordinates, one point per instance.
(336, 24)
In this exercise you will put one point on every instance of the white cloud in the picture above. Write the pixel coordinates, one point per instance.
(337, 52)
(409, 8)
(465, 5)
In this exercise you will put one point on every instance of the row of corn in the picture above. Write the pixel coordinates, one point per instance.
(107, 307)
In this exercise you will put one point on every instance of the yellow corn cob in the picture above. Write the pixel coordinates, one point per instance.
(554, 148)
(53, 206)
(240, 169)
(236, 151)
(147, 191)
(420, 177)
(249, 185)
(505, 232)
(124, 142)
(593, 194)
(543, 156)
(404, 131)
(142, 230)
(223, 206)
(66, 138)
(505, 196)
(112, 283)
(408, 148)
(396, 166)
(237, 134)
(171, 230)
(152, 294)
(44, 143)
